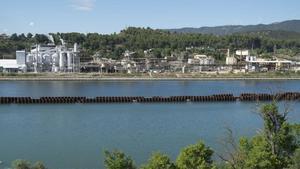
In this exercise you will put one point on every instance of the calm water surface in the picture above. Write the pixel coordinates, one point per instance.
(75, 136)
(141, 88)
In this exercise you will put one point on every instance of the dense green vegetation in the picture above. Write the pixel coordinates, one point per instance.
(117, 159)
(159, 160)
(280, 35)
(159, 43)
(23, 164)
(287, 26)
(277, 146)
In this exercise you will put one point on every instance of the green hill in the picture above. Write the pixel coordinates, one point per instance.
(274, 34)
(287, 26)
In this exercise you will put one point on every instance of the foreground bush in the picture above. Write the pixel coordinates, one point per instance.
(196, 156)
(23, 164)
(118, 160)
(159, 161)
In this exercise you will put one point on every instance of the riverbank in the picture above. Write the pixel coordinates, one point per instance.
(146, 77)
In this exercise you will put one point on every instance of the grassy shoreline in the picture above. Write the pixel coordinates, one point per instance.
(144, 77)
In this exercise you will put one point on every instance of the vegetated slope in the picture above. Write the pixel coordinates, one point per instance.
(274, 34)
(288, 26)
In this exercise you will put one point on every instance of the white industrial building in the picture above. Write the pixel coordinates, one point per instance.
(14, 65)
(255, 64)
(202, 60)
(51, 58)
(243, 53)
(231, 60)
(9, 65)
(44, 58)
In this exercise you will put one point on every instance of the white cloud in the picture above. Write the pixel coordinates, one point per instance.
(31, 24)
(83, 5)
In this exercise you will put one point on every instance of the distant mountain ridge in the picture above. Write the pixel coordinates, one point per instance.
(287, 26)
(274, 34)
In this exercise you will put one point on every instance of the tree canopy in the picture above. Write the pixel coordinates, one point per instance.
(23, 164)
(162, 42)
(118, 160)
(196, 156)
(159, 161)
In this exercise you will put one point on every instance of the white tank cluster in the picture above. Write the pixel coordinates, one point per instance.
(51, 58)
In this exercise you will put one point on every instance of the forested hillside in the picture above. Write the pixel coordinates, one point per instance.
(160, 42)
(288, 26)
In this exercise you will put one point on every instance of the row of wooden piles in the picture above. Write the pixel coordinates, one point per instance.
(289, 96)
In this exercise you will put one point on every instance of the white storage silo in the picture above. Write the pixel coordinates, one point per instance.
(69, 60)
(62, 61)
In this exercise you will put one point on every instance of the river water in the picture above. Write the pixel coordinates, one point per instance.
(75, 136)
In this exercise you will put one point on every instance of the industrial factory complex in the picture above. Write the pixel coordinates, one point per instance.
(65, 59)
(239, 61)
(44, 58)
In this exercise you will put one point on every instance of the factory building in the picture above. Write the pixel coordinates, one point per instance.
(259, 64)
(9, 65)
(201, 60)
(44, 58)
(14, 65)
(51, 58)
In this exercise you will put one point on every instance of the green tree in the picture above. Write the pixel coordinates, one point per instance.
(41, 39)
(14, 37)
(257, 154)
(159, 161)
(20, 164)
(39, 165)
(118, 160)
(274, 146)
(196, 156)
(277, 131)
(296, 160)
(295, 131)
(23, 164)
(162, 43)
(29, 35)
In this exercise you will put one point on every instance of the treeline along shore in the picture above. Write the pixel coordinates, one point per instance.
(162, 43)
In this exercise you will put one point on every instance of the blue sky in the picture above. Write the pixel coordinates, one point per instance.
(108, 16)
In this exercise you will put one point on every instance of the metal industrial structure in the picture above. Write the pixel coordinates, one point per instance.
(44, 58)
(51, 58)
(63, 58)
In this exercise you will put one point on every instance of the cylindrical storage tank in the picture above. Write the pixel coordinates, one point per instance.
(55, 62)
(75, 47)
(29, 58)
(62, 61)
(69, 60)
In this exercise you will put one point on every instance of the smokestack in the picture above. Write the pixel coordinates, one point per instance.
(61, 61)
(228, 52)
(69, 61)
(75, 47)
